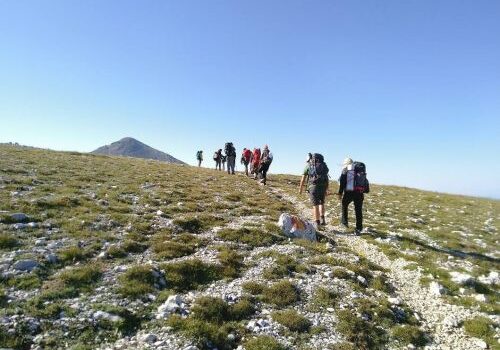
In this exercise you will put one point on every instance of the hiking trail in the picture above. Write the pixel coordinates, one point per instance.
(442, 321)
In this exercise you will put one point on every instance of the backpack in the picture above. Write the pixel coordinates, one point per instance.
(318, 170)
(229, 149)
(216, 156)
(198, 155)
(356, 179)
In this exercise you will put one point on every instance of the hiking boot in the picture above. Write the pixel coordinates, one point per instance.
(357, 232)
(323, 223)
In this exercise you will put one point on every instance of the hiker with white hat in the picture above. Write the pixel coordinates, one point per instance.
(353, 184)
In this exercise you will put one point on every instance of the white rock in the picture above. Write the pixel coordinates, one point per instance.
(159, 213)
(172, 305)
(482, 344)
(190, 347)
(102, 315)
(394, 301)
(436, 289)
(451, 321)
(103, 255)
(149, 338)
(481, 298)
(492, 279)
(461, 278)
(361, 279)
(25, 265)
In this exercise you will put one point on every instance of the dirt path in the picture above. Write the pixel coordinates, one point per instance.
(440, 319)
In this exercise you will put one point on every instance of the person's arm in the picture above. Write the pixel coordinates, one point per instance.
(342, 183)
(302, 182)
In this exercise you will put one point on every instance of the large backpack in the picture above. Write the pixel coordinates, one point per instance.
(318, 170)
(198, 155)
(229, 149)
(356, 178)
(216, 155)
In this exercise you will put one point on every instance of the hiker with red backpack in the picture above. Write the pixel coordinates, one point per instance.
(246, 157)
(316, 174)
(255, 162)
(353, 186)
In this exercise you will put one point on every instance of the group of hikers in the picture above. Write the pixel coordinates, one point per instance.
(353, 183)
(256, 162)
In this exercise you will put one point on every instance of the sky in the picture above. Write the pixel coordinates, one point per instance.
(411, 88)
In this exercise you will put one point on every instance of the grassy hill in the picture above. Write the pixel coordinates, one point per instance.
(128, 253)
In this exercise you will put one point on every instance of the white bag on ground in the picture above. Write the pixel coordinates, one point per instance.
(295, 227)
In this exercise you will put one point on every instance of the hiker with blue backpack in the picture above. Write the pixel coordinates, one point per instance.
(316, 175)
(353, 186)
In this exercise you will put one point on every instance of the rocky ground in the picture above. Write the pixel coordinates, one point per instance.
(114, 253)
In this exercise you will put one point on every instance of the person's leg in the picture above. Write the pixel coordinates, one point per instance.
(358, 208)
(346, 199)
(246, 168)
(322, 212)
(316, 214)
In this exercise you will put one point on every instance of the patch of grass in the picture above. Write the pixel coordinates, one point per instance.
(232, 262)
(169, 247)
(263, 342)
(281, 294)
(81, 277)
(362, 333)
(131, 246)
(313, 247)
(380, 283)
(116, 251)
(283, 266)
(253, 288)
(292, 320)
(480, 327)
(129, 323)
(190, 274)
(197, 224)
(71, 254)
(8, 241)
(25, 282)
(324, 298)
(252, 236)
(206, 335)
(137, 282)
(407, 334)
(216, 310)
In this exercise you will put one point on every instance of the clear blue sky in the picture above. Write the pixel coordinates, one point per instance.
(410, 87)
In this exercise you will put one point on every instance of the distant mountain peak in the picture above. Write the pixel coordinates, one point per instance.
(130, 147)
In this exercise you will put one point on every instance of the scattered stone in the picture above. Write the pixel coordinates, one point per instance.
(52, 258)
(19, 217)
(361, 280)
(172, 305)
(482, 344)
(25, 265)
(394, 301)
(436, 289)
(492, 279)
(102, 315)
(149, 338)
(461, 278)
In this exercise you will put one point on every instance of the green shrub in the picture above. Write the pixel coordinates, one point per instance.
(71, 254)
(480, 327)
(362, 333)
(190, 274)
(232, 262)
(116, 251)
(281, 294)
(25, 282)
(283, 266)
(251, 236)
(409, 335)
(8, 241)
(211, 309)
(169, 247)
(131, 246)
(81, 277)
(324, 298)
(137, 282)
(292, 320)
(380, 283)
(129, 323)
(263, 342)
(253, 288)
(242, 309)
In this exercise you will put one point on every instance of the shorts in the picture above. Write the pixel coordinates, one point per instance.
(317, 195)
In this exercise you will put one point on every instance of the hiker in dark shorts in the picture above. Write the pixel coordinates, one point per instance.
(218, 159)
(265, 162)
(316, 174)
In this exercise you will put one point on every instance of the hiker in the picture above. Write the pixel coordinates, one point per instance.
(265, 162)
(246, 156)
(316, 174)
(199, 157)
(223, 160)
(255, 162)
(230, 152)
(353, 186)
(218, 159)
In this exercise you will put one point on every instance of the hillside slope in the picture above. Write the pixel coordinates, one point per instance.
(131, 254)
(130, 147)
